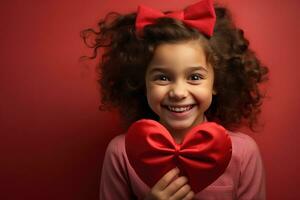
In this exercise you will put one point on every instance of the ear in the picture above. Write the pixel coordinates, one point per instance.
(214, 92)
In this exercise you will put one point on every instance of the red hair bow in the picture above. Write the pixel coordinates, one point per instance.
(202, 157)
(200, 16)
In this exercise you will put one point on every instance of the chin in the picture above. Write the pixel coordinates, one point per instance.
(180, 126)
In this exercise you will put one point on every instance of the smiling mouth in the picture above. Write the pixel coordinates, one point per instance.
(179, 109)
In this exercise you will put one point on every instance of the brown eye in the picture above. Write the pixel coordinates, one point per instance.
(196, 77)
(161, 77)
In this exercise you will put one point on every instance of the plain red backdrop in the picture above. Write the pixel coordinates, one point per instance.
(53, 136)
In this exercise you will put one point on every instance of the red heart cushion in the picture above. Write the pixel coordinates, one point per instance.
(202, 157)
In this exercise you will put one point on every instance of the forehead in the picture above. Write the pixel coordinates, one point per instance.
(187, 53)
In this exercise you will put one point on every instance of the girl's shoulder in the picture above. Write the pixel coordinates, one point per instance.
(241, 138)
(243, 144)
(116, 146)
(117, 140)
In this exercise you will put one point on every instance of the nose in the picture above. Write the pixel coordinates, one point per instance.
(178, 91)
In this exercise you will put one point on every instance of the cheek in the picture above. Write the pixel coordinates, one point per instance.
(208, 100)
(204, 97)
(155, 96)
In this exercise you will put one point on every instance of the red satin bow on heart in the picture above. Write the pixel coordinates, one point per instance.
(200, 16)
(202, 157)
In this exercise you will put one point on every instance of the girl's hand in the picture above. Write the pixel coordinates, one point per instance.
(171, 187)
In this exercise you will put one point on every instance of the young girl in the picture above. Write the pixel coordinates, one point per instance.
(180, 70)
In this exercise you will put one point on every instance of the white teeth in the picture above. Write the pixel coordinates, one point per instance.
(179, 109)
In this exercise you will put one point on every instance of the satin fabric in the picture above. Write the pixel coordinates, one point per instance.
(200, 15)
(202, 157)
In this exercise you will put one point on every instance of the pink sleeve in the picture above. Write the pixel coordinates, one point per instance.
(252, 180)
(114, 178)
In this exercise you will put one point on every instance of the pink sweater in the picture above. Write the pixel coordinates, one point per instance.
(243, 179)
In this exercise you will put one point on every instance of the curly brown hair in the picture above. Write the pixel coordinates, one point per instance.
(125, 58)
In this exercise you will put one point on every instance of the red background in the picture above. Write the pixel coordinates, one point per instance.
(52, 135)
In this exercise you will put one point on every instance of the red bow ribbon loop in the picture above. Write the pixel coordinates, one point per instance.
(202, 157)
(200, 15)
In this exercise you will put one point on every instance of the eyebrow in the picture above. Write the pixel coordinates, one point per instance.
(189, 69)
(195, 68)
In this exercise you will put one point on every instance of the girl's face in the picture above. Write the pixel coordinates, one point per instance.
(179, 85)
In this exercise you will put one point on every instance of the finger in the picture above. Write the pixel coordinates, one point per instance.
(189, 196)
(175, 185)
(166, 179)
(182, 192)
